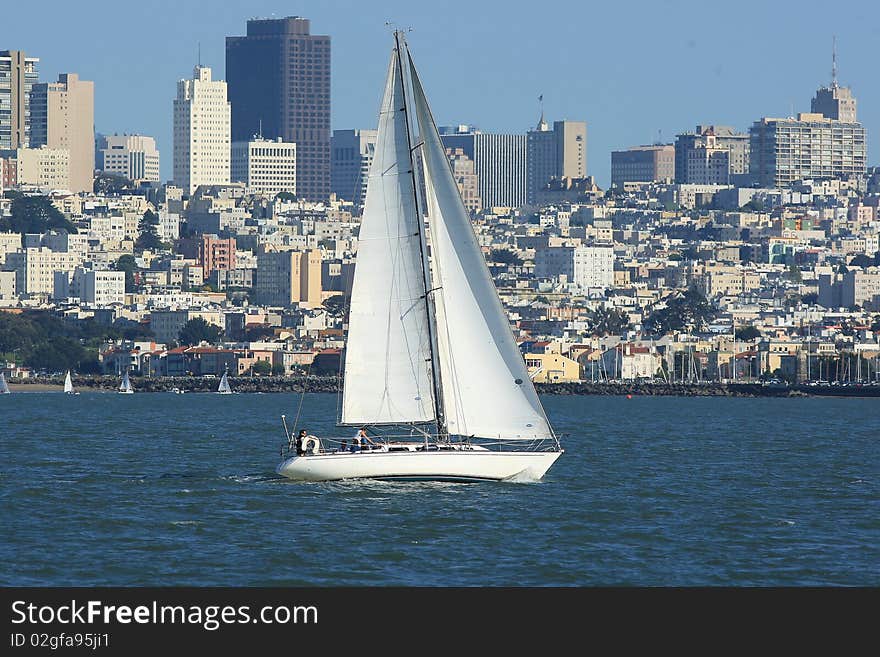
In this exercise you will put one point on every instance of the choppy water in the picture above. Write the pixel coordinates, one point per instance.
(163, 489)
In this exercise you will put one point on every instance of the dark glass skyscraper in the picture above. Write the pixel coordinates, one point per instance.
(278, 79)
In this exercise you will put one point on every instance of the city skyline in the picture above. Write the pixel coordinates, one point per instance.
(584, 72)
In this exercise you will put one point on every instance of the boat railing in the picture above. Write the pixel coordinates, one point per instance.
(338, 444)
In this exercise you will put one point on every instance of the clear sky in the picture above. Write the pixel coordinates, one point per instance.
(633, 70)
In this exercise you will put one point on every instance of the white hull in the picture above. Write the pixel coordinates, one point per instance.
(465, 465)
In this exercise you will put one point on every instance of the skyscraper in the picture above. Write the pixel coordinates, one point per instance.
(351, 154)
(18, 74)
(63, 116)
(500, 162)
(557, 153)
(834, 101)
(279, 86)
(201, 132)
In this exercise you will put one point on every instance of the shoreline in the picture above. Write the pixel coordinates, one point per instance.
(330, 384)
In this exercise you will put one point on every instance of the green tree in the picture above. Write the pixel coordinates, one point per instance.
(285, 196)
(197, 330)
(108, 184)
(148, 229)
(690, 310)
(335, 305)
(34, 214)
(278, 369)
(261, 367)
(604, 321)
(128, 264)
(747, 333)
(794, 274)
(505, 257)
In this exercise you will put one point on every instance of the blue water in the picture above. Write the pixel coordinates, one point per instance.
(163, 489)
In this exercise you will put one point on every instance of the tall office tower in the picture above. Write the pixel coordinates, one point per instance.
(201, 132)
(713, 154)
(557, 153)
(784, 151)
(18, 74)
(643, 164)
(351, 154)
(466, 178)
(287, 277)
(132, 156)
(279, 86)
(265, 166)
(63, 116)
(500, 162)
(834, 102)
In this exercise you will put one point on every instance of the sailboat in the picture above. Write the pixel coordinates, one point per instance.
(431, 365)
(224, 388)
(68, 385)
(4, 388)
(125, 387)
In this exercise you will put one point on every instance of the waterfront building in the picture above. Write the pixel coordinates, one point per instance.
(131, 156)
(44, 167)
(279, 86)
(265, 166)
(351, 154)
(18, 74)
(500, 163)
(201, 132)
(654, 163)
(712, 155)
(786, 150)
(560, 152)
(63, 117)
(287, 277)
(166, 324)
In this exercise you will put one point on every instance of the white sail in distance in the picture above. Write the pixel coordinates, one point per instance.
(125, 386)
(68, 383)
(224, 388)
(4, 389)
(486, 388)
(387, 357)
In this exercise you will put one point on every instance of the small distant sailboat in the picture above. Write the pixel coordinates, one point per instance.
(125, 387)
(224, 388)
(68, 385)
(4, 389)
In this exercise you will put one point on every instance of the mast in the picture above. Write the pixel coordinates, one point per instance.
(439, 412)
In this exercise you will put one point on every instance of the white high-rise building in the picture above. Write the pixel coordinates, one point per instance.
(201, 132)
(265, 166)
(587, 267)
(133, 156)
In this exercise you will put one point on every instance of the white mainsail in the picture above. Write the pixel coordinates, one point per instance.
(125, 386)
(68, 383)
(224, 388)
(486, 388)
(4, 389)
(387, 361)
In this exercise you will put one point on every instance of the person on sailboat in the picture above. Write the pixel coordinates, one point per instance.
(298, 444)
(362, 440)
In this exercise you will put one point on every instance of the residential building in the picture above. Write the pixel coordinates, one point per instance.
(712, 155)
(279, 86)
(351, 155)
(166, 324)
(654, 163)
(557, 153)
(212, 252)
(18, 74)
(287, 277)
(586, 267)
(35, 268)
(63, 117)
(131, 156)
(784, 151)
(552, 368)
(44, 167)
(201, 132)
(7, 285)
(500, 163)
(265, 166)
(98, 288)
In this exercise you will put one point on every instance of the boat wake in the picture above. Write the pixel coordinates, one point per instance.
(526, 476)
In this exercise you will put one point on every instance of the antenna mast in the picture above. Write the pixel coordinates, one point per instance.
(834, 62)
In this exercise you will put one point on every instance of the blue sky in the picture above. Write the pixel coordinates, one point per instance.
(633, 70)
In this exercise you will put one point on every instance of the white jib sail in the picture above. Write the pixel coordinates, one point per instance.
(4, 389)
(224, 384)
(486, 388)
(387, 361)
(125, 386)
(68, 383)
